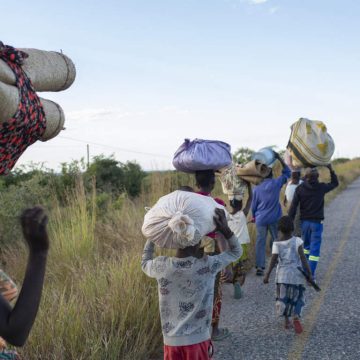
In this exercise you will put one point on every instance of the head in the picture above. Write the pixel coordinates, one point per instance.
(186, 188)
(236, 205)
(312, 175)
(286, 226)
(270, 176)
(295, 176)
(205, 180)
(194, 251)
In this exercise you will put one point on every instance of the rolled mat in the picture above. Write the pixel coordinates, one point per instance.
(47, 70)
(9, 102)
(254, 172)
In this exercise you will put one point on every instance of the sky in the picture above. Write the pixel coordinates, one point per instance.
(152, 73)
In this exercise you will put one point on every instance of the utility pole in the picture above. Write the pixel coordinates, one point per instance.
(88, 155)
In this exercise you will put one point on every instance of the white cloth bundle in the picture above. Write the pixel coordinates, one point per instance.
(180, 219)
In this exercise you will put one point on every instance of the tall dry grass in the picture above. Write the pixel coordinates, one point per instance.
(97, 304)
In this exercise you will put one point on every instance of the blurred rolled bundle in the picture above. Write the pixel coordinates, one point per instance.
(47, 70)
(253, 172)
(9, 103)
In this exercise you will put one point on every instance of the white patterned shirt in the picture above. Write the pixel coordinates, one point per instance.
(186, 291)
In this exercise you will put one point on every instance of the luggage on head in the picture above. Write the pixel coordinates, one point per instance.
(309, 145)
(180, 219)
(202, 155)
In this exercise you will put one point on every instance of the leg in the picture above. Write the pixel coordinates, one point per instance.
(260, 246)
(273, 232)
(306, 236)
(315, 244)
(297, 223)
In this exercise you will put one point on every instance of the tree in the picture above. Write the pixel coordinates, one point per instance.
(243, 155)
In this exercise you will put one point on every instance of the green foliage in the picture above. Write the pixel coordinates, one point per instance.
(340, 161)
(243, 155)
(114, 177)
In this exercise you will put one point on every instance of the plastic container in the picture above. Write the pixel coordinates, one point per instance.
(265, 156)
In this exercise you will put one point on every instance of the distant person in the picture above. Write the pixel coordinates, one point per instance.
(186, 291)
(205, 181)
(16, 323)
(238, 224)
(288, 254)
(267, 211)
(291, 186)
(310, 195)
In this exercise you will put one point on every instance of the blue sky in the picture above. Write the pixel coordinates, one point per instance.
(151, 73)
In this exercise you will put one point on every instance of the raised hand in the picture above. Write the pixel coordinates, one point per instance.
(33, 222)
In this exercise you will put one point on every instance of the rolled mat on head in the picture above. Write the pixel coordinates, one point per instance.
(180, 219)
(9, 103)
(254, 172)
(55, 119)
(47, 70)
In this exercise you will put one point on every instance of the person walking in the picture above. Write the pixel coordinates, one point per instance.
(310, 195)
(266, 210)
(291, 186)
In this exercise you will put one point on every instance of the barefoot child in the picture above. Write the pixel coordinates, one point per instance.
(288, 251)
(238, 224)
(186, 291)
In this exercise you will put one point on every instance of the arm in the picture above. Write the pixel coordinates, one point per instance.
(235, 251)
(334, 182)
(147, 258)
(16, 323)
(254, 203)
(249, 200)
(294, 204)
(304, 261)
(273, 261)
(286, 172)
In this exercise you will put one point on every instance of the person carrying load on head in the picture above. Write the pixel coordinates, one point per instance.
(291, 186)
(266, 210)
(186, 291)
(310, 196)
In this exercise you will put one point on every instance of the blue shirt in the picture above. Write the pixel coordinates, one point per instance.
(265, 205)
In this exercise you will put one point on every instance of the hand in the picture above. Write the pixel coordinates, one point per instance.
(33, 222)
(266, 279)
(329, 167)
(276, 154)
(227, 275)
(221, 223)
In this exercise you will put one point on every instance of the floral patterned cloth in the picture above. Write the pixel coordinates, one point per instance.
(28, 123)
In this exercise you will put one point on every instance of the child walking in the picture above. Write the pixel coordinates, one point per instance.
(238, 224)
(186, 292)
(288, 251)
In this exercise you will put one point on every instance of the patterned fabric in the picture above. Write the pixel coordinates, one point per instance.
(9, 292)
(290, 299)
(186, 291)
(288, 261)
(8, 288)
(9, 355)
(28, 123)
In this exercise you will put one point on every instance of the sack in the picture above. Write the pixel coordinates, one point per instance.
(232, 185)
(310, 144)
(253, 172)
(47, 70)
(202, 155)
(180, 219)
